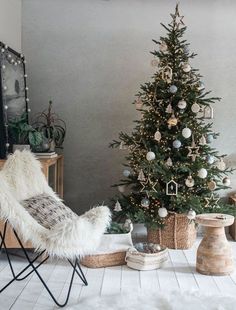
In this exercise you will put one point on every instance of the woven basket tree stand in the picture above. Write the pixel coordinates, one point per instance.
(178, 233)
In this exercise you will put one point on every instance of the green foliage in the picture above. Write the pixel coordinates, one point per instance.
(23, 133)
(117, 228)
(51, 126)
(155, 97)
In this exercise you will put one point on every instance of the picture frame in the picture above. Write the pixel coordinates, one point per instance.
(13, 93)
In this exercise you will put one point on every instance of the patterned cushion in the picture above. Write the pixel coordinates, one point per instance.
(47, 211)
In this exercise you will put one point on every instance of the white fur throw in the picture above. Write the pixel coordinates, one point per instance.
(22, 178)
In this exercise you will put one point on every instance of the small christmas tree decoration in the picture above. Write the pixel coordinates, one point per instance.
(209, 138)
(169, 109)
(172, 121)
(139, 103)
(173, 89)
(226, 181)
(193, 150)
(189, 182)
(121, 188)
(186, 133)
(211, 185)
(182, 104)
(202, 140)
(157, 136)
(171, 188)
(162, 212)
(117, 207)
(150, 156)
(186, 67)
(208, 112)
(212, 201)
(176, 144)
(145, 203)
(195, 108)
(126, 173)
(122, 146)
(191, 214)
(166, 74)
(155, 62)
(221, 165)
(202, 173)
(210, 159)
(141, 176)
(163, 47)
(169, 162)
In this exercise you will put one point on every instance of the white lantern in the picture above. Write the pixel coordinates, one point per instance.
(186, 133)
(202, 173)
(162, 212)
(150, 156)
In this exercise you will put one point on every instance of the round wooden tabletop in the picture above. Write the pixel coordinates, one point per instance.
(215, 219)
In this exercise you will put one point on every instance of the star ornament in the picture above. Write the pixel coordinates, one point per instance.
(147, 184)
(177, 18)
(193, 151)
(212, 201)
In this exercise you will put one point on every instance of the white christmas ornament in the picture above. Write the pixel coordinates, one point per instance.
(162, 212)
(210, 159)
(221, 165)
(117, 207)
(182, 104)
(186, 133)
(226, 181)
(121, 188)
(150, 156)
(126, 173)
(191, 214)
(186, 68)
(202, 173)
(176, 144)
(157, 136)
(138, 103)
(202, 140)
(195, 108)
(189, 182)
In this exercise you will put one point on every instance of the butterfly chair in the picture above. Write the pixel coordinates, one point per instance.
(37, 214)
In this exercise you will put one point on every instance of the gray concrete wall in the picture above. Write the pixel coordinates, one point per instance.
(10, 23)
(90, 56)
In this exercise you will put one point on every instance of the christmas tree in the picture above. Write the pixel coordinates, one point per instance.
(171, 165)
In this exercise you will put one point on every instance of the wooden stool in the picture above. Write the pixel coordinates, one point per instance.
(214, 254)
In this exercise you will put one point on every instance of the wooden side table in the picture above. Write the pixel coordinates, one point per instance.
(214, 254)
(53, 169)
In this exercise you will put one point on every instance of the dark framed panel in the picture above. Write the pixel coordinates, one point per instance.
(13, 93)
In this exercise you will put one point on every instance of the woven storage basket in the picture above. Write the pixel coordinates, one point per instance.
(146, 261)
(178, 232)
(111, 252)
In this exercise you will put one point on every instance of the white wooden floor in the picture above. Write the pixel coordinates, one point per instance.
(178, 274)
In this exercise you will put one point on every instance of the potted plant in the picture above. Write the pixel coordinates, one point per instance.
(24, 135)
(51, 126)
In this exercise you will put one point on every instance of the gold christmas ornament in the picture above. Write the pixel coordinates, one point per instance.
(186, 67)
(172, 121)
(211, 185)
(166, 74)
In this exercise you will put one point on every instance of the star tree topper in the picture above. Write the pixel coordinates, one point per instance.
(177, 18)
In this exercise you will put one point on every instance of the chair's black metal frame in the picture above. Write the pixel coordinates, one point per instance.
(17, 277)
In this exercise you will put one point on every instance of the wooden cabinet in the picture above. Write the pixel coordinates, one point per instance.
(53, 169)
